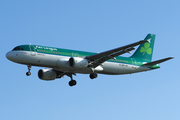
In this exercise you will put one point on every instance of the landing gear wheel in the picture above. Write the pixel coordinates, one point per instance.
(72, 83)
(93, 75)
(28, 73)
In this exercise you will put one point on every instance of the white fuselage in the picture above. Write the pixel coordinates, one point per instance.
(51, 61)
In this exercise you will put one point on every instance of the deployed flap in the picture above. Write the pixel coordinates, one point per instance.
(156, 62)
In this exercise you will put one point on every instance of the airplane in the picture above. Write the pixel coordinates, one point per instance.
(59, 62)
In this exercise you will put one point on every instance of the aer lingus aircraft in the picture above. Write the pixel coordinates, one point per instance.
(60, 62)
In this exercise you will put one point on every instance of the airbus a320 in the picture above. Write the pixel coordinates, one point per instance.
(60, 62)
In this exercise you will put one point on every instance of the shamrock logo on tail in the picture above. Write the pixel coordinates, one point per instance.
(146, 49)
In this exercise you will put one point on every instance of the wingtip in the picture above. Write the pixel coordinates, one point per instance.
(143, 41)
(171, 57)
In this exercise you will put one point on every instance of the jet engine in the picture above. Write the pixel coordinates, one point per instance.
(63, 63)
(76, 62)
(47, 74)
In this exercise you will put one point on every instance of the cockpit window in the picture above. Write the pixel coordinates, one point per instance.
(18, 48)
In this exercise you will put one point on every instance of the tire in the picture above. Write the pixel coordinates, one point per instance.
(72, 83)
(28, 73)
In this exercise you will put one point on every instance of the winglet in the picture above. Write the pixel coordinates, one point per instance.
(149, 40)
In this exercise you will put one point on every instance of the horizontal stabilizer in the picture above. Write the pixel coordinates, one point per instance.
(156, 62)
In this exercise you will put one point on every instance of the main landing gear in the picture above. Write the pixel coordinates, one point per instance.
(93, 75)
(29, 69)
(72, 82)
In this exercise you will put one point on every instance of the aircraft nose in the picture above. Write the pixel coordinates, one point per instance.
(8, 55)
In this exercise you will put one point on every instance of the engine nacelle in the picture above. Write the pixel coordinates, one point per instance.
(47, 74)
(77, 62)
(63, 63)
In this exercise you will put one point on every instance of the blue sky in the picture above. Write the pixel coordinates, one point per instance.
(94, 26)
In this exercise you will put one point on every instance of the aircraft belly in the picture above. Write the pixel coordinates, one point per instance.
(114, 68)
(119, 68)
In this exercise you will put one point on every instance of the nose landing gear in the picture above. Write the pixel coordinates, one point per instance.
(29, 69)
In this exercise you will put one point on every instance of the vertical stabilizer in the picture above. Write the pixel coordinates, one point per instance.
(145, 50)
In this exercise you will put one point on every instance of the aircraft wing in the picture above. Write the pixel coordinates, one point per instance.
(97, 59)
(156, 62)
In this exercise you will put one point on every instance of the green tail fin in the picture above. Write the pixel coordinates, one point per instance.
(145, 50)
